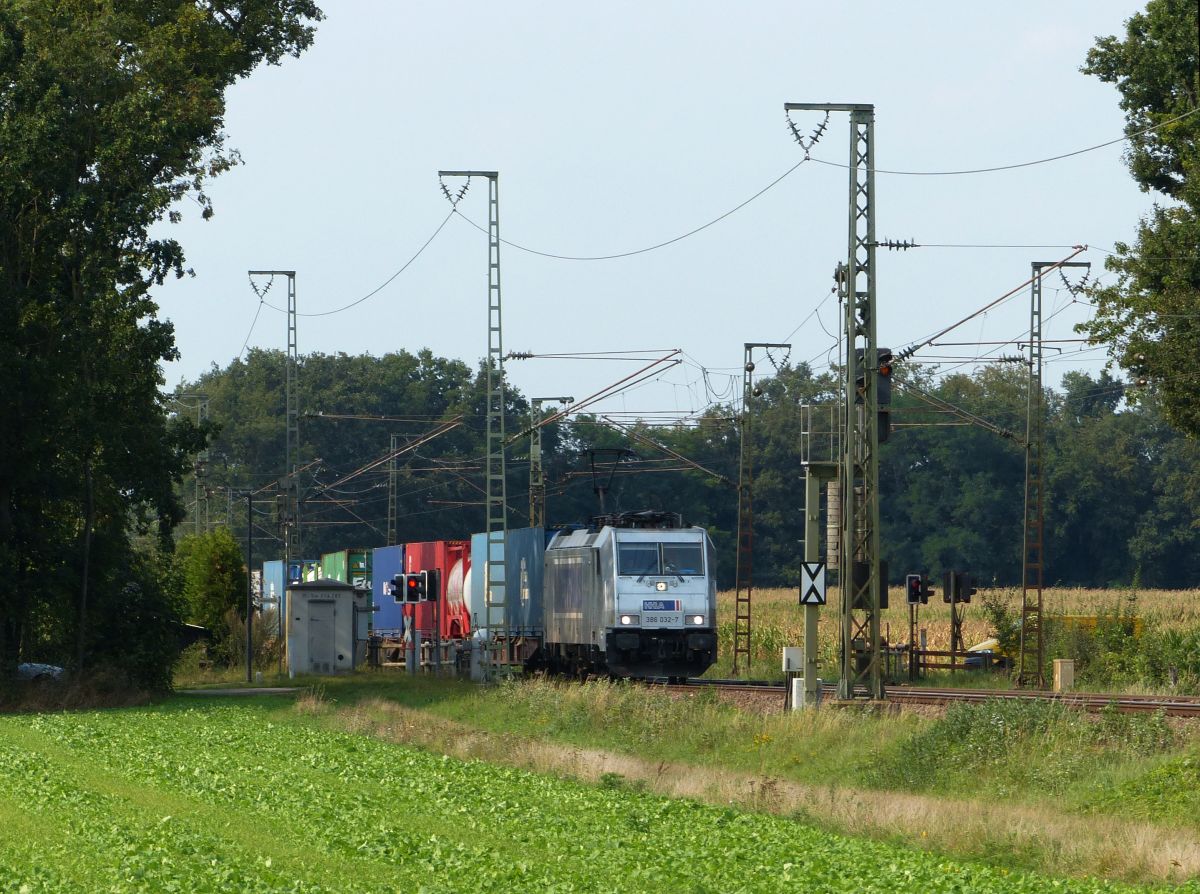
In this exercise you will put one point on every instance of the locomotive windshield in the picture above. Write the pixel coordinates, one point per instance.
(682, 558)
(637, 559)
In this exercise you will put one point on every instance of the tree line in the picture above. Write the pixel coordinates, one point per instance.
(1120, 482)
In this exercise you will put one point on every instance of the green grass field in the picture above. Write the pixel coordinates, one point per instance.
(213, 795)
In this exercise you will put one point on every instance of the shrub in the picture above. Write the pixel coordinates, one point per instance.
(133, 629)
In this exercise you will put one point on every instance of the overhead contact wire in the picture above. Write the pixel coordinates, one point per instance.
(648, 248)
(926, 342)
(1022, 164)
(253, 323)
(375, 291)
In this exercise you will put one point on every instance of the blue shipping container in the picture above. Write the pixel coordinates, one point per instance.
(387, 562)
(524, 566)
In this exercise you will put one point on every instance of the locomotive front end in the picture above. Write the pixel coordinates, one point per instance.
(665, 605)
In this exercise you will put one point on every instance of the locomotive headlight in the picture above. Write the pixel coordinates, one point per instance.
(696, 620)
(629, 620)
(661, 586)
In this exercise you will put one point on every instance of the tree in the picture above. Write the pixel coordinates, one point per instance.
(951, 495)
(214, 579)
(1097, 465)
(109, 115)
(1151, 316)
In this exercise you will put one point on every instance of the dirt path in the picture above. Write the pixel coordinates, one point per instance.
(247, 690)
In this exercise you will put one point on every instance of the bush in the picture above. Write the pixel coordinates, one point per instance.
(214, 584)
(133, 633)
(264, 641)
(1003, 623)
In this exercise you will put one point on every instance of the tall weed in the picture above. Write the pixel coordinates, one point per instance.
(1006, 746)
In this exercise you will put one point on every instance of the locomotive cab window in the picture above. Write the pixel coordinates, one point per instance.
(683, 558)
(636, 559)
(639, 559)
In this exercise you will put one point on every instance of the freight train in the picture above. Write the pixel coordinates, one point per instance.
(628, 595)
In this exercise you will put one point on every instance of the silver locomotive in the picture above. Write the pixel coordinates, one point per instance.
(632, 595)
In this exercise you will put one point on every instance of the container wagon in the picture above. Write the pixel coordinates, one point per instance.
(452, 559)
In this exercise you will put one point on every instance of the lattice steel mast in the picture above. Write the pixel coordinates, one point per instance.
(1031, 669)
(861, 583)
(291, 518)
(537, 476)
(393, 468)
(744, 571)
(494, 623)
(200, 464)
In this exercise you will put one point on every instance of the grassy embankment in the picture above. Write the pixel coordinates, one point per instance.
(1024, 786)
(218, 796)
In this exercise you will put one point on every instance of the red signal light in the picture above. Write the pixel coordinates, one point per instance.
(415, 586)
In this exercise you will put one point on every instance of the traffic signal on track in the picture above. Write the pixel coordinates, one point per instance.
(416, 586)
(912, 586)
(883, 388)
(958, 586)
(965, 585)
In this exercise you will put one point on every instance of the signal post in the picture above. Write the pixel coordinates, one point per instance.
(815, 475)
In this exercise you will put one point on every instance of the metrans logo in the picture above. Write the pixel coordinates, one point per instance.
(660, 605)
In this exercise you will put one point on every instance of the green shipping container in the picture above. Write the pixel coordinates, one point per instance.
(352, 566)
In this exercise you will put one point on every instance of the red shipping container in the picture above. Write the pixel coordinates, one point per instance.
(453, 559)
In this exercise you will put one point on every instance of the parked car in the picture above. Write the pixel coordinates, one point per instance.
(39, 673)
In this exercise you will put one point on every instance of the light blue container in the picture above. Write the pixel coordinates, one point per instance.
(524, 566)
(275, 584)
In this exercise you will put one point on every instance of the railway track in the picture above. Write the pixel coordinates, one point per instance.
(1172, 706)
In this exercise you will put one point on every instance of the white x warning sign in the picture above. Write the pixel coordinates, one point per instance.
(812, 583)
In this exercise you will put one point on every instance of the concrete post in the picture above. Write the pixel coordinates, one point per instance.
(812, 546)
(413, 656)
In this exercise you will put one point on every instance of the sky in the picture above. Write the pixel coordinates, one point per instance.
(621, 125)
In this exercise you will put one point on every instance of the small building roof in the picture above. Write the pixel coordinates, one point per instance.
(324, 583)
